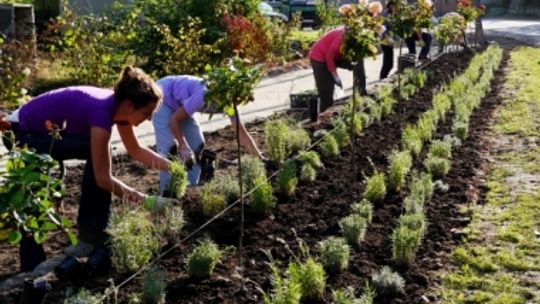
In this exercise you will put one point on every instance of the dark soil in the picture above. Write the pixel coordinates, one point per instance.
(312, 214)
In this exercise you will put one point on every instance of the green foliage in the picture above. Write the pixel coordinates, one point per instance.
(364, 209)
(178, 181)
(310, 157)
(308, 173)
(171, 224)
(154, 284)
(212, 199)
(203, 259)
(133, 240)
(375, 187)
(335, 254)
(262, 198)
(409, 19)
(346, 296)
(437, 166)
(449, 29)
(276, 133)
(227, 185)
(329, 146)
(388, 283)
(405, 243)
(312, 279)
(287, 178)
(440, 148)
(400, 165)
(15, 66)
(353, 228)
(387, 101)
(229, 84)
(341, 133)
(361, 32)
(84, 296)
(252, 169)
(297, 140)
(461, 130)
(327, 12)
(421, 187)
(28, 197)
(284, 290)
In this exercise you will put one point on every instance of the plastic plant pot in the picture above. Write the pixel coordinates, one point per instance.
(314, 107)
(35, 291)
(69, 267)
(31, 254)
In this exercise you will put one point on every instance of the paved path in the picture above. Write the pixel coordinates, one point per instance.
(523, 29)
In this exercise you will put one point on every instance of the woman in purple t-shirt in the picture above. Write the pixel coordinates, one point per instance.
(175, 124)
(89, 114)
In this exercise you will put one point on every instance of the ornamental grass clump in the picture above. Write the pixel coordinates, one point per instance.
(252, 169)
(308, 173)
(400, 165)
(178, 181)
(312, 278)
(212, 200)
(411, 141)
(154, 284)
(387, 283)
(364, 209)
(441, 148)
(262, 198)
(276, 133)
(310, 157)
(335, 254)
(284, 290)
(227, 184)
(414, 221)
(461, 130)
(297, 140)
(353, 229)
(84, 296)
(286, 179)
(375, 187)
(437, 166)
(386, 99)
(341, 133)
(203, 259)
(171, 224)
(426, 125)
(405, 243)
(421, 186)
(346, 296)
(329, 146)
(133, 242)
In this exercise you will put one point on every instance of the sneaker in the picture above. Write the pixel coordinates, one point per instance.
(82, 249)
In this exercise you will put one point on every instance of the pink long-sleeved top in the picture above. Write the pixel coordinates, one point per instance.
(328, 49)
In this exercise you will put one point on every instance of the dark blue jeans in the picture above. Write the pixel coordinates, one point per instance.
(411, 44)
(95, 202)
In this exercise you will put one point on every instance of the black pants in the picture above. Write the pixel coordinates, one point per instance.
(324, 81)
(411, 44)
(388, 60)
(95, 202)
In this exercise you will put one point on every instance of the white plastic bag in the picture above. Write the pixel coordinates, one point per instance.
(338, 92)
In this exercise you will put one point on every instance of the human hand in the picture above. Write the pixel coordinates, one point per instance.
(156, 204)
(337, 81)
(186, 155)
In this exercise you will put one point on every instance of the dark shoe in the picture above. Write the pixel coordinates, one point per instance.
(98, 261)
(35, 291)
(68, 268)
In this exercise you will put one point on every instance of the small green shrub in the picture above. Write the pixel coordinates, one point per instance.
(412, 204)
(364, 208)
(133, 240)
(441, 148)
(353, 228)
(276, 133)
(297, 140)
(375, 187)
(411, 141)
(387, 283)
(252, 169)
(375, 112)
(284, 290)
(329, 146)
(421, 187)
(414, 221)
(437, 166)
(341, 133)
(426, 125)
(170, 226)
(84, 296)
(178, 181)
(262, 198)
(312, 278)
(308, 173)
(227, 184)
(400, 165)
(287, 178)
(310, 157)
(154, 284)
(346, 296)
(405, 243)
(461, 130)
(212, 201)
(203, 259)
(335, 254)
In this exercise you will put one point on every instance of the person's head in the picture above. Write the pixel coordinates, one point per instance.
(137, 96)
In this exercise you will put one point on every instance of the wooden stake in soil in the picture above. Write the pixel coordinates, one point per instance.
(241, 237)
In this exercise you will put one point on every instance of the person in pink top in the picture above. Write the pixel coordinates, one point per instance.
(325, 57)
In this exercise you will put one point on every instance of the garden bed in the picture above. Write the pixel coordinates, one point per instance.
(311, 214)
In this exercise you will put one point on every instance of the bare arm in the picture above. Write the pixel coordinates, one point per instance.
(139, 153)
(101, 164)
(178, 116)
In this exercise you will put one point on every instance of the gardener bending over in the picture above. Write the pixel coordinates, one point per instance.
(89, 114)
(176, 126)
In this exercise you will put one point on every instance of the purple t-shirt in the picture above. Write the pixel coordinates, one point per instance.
(81, 107)
(183, 90)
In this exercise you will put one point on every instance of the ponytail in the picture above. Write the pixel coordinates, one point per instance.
(136, 86)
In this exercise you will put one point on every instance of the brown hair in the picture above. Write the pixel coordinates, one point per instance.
(134, 85)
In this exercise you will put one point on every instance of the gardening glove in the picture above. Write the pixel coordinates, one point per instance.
(156, 204)
(187, 156)
(337, 80)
